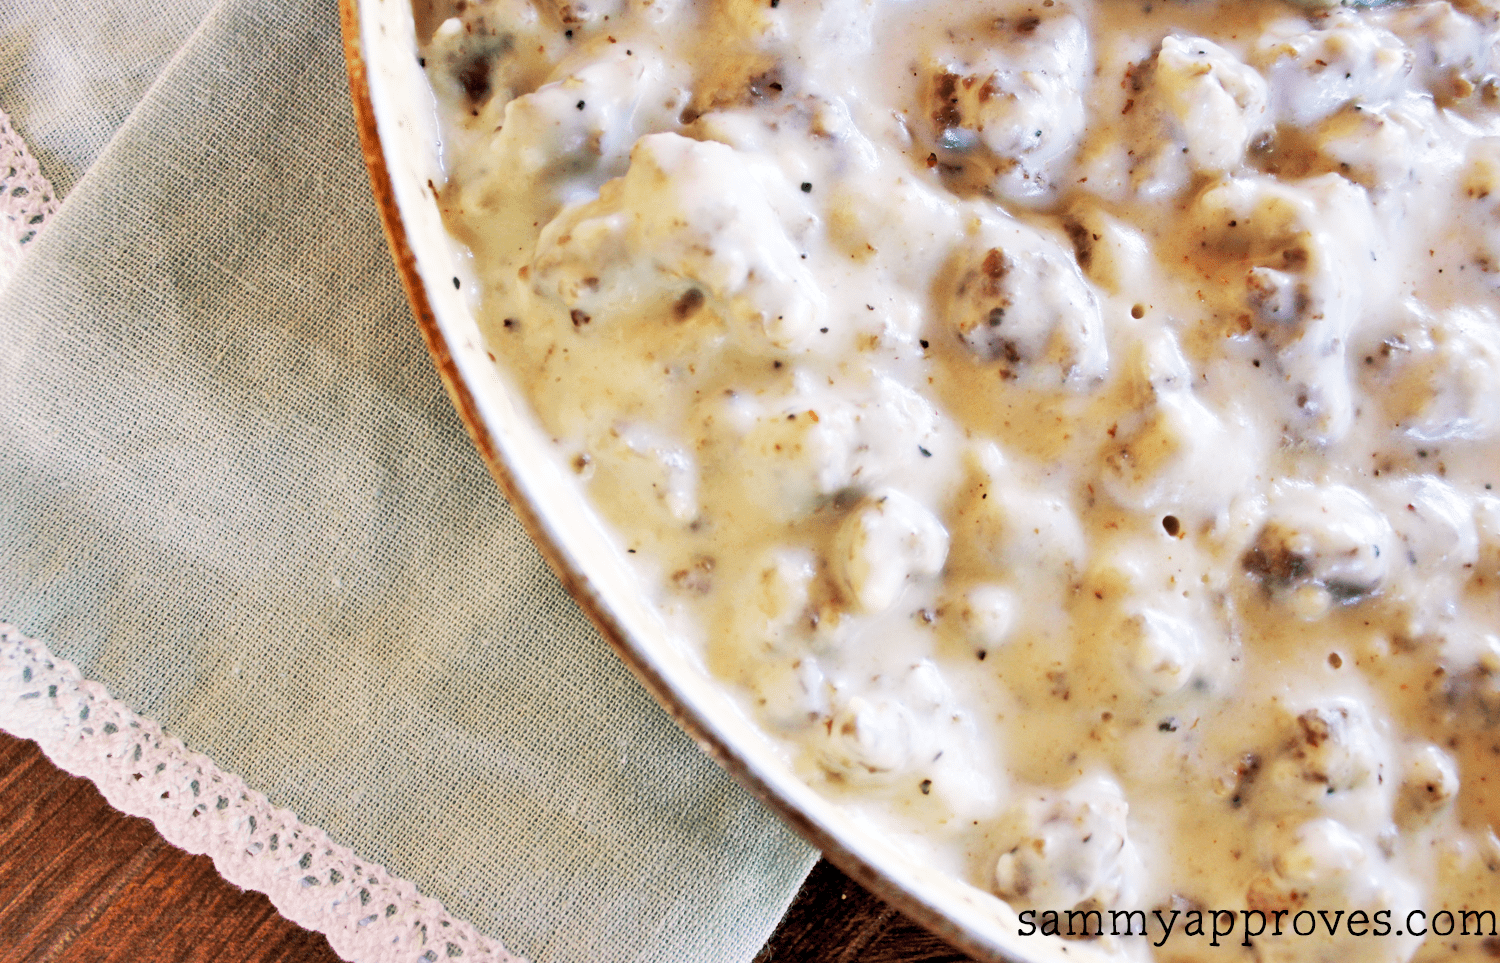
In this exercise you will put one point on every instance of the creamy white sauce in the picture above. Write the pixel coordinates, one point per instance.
(1068, 427)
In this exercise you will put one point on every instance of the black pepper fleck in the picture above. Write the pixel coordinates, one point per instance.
(806, 187)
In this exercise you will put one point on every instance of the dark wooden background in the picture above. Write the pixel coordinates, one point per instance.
(81, 882)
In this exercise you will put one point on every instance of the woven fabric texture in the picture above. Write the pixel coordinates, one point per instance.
(70, 73)
(233, 492)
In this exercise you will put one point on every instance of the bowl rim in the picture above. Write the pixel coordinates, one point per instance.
(577, 583)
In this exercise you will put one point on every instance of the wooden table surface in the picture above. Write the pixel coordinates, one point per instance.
(80, 882)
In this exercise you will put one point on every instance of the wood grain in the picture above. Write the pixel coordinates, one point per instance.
(835, 920)
(80, 882)
(83, 883)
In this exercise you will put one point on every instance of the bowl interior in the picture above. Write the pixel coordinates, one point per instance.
(395, 112)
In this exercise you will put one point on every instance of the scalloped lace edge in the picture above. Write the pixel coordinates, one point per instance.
(26, 198)
(368, 915)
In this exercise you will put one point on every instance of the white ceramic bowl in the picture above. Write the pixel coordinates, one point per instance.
(395, 114)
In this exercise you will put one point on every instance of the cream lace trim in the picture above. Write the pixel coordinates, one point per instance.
(368, 915)
(26, 198)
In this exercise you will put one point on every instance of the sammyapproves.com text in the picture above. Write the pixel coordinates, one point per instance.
(1218, 925)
